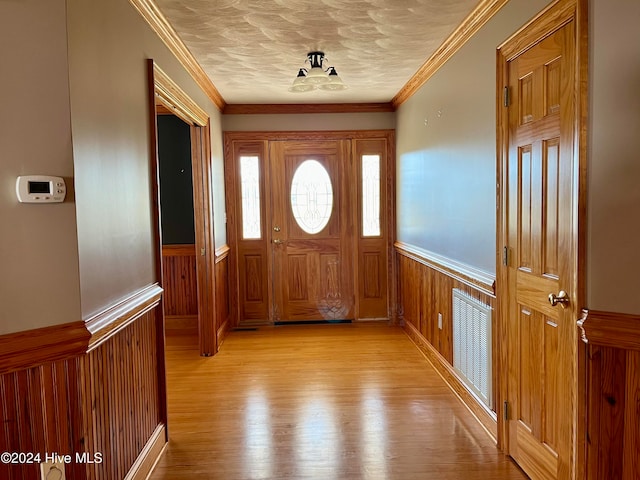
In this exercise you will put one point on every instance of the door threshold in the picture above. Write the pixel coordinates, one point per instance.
(309, 322)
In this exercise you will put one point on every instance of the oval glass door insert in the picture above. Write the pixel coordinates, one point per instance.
(311, 196)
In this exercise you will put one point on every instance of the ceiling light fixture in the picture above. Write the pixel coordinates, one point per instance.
(317, 77)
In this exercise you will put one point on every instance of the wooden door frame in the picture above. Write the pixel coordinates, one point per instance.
(548, 21)
(304, 135)
(165, 92)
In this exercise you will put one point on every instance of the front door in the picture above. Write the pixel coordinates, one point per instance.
(311, 231)
(541, 238)
(309, 218)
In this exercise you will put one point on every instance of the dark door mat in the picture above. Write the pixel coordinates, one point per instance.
(310, 322)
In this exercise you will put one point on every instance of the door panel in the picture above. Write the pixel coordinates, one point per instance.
(373, 240)
(312, 277)
(540, 201)
(250, 233)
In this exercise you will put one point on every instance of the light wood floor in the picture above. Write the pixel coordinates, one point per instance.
(319, 402)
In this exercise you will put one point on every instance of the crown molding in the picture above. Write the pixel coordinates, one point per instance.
(480, 15)
(483, 12)
(159, 24)
(286, 108)
(273, 136)
(171, 96)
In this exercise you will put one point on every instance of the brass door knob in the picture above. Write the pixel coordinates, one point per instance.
(277, 241)
(562, 298)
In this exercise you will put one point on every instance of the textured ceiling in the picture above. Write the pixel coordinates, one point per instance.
(252, 49)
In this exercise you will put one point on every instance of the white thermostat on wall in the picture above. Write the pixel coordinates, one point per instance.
(40, 189)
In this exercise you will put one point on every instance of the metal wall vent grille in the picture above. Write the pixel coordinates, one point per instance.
(472, 344)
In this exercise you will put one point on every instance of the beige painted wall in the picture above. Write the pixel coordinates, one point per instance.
(298, 122)
(613, 260)
(39, 279)
(109, 43)
(446, 149)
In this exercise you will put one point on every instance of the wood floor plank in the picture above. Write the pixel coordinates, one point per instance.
(319, 402)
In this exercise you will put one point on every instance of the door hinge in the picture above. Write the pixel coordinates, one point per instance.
(506, 97)
(505, 410)
(203, 252)
(505, 256)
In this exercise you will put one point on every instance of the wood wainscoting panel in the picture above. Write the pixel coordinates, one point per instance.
(180, 280)
(123, 393)
(425, 292)
(41, 412)
(109, 399)
(181, 325)
(223, 298)
(448, 374)
(613, 394)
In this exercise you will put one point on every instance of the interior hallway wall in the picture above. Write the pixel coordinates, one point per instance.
(446, 149)
(308, 121)
(40, 284)
(109, 43)
(613, 196)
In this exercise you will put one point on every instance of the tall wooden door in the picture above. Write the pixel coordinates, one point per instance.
(541, 196)
(311, 230)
